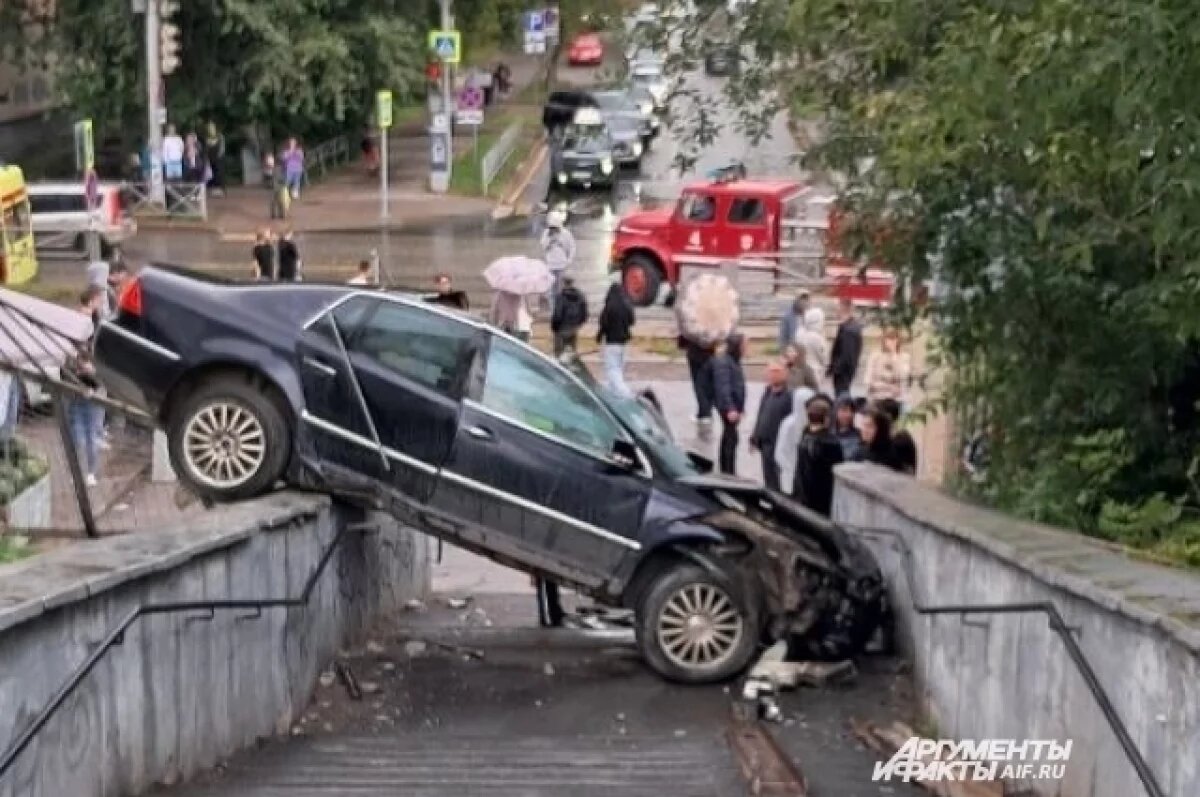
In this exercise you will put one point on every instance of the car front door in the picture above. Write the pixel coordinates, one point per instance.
(694, 228)
(533, 462)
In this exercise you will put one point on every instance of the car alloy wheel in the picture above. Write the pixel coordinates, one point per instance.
(699, 626)
(224, 444)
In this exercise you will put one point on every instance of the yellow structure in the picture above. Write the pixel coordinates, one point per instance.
(18, 257)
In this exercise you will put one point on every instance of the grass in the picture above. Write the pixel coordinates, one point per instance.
(13, 548)
(57, 292)
(466, 176)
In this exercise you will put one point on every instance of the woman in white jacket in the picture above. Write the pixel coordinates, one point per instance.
(787, 446)
(810, 336)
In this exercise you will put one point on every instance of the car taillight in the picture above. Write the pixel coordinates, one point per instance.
(131, 298)
(113, 198)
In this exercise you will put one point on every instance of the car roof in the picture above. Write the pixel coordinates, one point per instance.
(759, 186)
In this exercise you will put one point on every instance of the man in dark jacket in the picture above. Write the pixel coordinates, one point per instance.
(616, 321)
(847, 349)
(698, 355)
(288, 259)
(447, 296)
(819, 452)
(776, 405)
(570, 313)
(904, 448)
(729, 397)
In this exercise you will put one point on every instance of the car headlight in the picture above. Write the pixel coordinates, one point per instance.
(637, 149)
(606, 165)
(646, 108)
(562, 177)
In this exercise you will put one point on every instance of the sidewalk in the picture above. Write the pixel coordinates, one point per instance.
(348, 199)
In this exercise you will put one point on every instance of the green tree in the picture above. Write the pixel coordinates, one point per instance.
(304, 66)
(1036, 162)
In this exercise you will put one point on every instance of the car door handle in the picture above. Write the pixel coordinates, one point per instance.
(479, 433)
(320, 367)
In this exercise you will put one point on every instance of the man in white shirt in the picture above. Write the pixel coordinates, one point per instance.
(172, 154)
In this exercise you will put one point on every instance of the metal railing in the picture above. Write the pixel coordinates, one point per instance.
(116, 637)
(183, 200)
(1058, 625)
(498, 154)
(326, 156)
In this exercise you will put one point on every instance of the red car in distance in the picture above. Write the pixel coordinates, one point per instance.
(586, 50)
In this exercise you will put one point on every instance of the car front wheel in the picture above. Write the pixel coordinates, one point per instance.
(693, 628)
(228, 440)
(641, 279)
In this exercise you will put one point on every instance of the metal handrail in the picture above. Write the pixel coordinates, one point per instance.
(326, 155)
(1058, 625)
(116, 637)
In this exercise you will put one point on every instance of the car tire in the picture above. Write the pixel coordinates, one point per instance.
(228, 440)
(685, 600)
(641, 279)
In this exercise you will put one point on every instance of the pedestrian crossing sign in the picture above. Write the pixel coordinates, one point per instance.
(446, 45)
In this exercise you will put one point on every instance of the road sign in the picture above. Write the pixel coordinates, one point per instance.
(439, 123)
(472, 117)
(535, 21)
(470, 98)
(85, 150)
(383, 108)
(534, 24)
(446, 45)
(552, 23)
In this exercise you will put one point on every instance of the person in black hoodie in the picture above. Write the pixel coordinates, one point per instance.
(876, 439)
(616, 321)
(819, 452)
(904, 448)
(846, 351)
(729, 397)
(776, 405)
(570, 313)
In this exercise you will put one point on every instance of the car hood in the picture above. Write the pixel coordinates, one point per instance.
(645, 221)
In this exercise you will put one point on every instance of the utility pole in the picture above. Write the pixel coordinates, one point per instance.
(441, 180)
(153, 95)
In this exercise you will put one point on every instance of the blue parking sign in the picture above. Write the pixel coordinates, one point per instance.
(535, 22)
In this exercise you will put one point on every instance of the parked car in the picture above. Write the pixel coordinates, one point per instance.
(587, 49)
(61, 219)
(561, 106)
(477, 438)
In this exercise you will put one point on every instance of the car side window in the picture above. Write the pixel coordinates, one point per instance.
(424, 346)
(747, 210)
(699, 208)
(525, 388)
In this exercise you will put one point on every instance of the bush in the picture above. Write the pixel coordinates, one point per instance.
(19, 469)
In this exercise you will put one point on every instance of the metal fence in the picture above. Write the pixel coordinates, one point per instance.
(498, 154)
(183, 200)
(326, 156)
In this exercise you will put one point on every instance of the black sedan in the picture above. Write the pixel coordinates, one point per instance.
(585, 158)
(475, 437)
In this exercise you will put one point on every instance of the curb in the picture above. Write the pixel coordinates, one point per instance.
(508, 205)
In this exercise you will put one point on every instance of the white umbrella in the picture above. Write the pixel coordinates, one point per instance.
(36, 334)
(707, 308)
(524, 276)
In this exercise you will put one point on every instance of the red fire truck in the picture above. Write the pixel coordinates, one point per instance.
(777, 225)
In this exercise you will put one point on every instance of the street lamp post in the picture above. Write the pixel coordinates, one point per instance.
(153, 95)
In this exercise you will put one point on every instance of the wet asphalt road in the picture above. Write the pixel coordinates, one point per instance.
(463, 246)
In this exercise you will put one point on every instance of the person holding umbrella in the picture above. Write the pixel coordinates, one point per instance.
(513, 279)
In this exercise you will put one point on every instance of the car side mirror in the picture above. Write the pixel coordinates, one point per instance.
(624, 455)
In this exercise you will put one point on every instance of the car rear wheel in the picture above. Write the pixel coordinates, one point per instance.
(228, 440)
(641, 278)
(692, 627)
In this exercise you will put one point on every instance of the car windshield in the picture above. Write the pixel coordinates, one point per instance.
(648, 427)
(613, 101)
(586, 139)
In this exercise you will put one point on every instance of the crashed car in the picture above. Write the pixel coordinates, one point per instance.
(479, 439)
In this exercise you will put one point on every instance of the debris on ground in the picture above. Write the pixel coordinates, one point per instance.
(886, 740)
(326, 679)
(548, 668)
(374, 648)
(346, 676)
(774, 670)
(415, 605)
(370, 687)
(458, 603)
(415, 647)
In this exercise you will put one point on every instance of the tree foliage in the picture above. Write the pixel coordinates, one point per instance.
(304, 66)
(1036, 161)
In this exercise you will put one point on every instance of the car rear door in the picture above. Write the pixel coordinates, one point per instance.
(532, 462)
(389, 406)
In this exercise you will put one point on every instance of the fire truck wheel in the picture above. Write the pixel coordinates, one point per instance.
(641, 278)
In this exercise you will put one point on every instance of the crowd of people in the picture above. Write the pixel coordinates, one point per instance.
(187, 157)
(807, 421)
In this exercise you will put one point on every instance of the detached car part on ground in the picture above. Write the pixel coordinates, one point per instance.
(479, 439)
